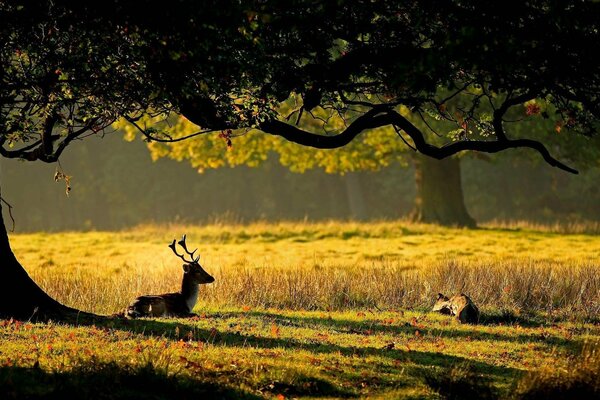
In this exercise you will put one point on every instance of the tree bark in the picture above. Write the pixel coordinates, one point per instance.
(20, 297)
(439, 197)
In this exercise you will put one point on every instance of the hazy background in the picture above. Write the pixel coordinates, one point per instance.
(115, 184)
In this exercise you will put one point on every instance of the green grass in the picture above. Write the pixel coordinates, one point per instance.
(329, 310)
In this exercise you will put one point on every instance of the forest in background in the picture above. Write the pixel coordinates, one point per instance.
(115, 185)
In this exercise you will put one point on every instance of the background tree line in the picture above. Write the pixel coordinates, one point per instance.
(120, 186)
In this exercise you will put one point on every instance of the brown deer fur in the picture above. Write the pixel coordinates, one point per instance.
(179, 304)
(461, 306)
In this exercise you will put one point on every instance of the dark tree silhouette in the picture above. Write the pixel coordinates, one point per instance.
(69, 69)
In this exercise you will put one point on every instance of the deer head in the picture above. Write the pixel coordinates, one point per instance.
(192, 269)
(442, 304)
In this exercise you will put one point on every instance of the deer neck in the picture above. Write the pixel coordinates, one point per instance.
(189, 291)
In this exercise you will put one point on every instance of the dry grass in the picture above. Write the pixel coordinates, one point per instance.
(579, 379)
(327, 310)
(325, 266)
(563, 227)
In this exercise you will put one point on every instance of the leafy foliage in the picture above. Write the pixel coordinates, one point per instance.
(71, 68)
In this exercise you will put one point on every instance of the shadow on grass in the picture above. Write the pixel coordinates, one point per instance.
(108, 381)
(509, 318)
(460, 382)
(420, 359)
(306, 386)
(358, 327)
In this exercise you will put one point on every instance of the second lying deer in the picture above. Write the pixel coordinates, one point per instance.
(461, 306)
(179, 304)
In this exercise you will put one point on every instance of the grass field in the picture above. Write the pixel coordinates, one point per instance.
(315, 310)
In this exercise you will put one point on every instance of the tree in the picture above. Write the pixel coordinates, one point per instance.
(439, 197)
(70, 69)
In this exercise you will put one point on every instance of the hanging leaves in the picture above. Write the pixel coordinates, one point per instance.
(532, 108)
(226, 135)
(60, 175)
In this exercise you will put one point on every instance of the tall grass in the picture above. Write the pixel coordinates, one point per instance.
(532, 286)
(580, 379)
(515, 286)
(562, 227)
(327, 265)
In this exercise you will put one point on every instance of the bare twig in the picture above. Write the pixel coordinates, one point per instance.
(9, 212)
(170, 139)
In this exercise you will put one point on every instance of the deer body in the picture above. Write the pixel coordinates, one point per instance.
(461, 306)
(179, 304)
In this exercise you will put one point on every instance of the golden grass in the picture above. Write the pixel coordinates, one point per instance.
(332, 265)
(314, 310)
(564, 227)
(295, 354)
(579, 378)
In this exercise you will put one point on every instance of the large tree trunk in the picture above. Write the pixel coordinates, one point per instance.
(20, 297)
(439, 198)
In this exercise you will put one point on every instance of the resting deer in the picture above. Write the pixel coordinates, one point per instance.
(178, 304)
(461, 306)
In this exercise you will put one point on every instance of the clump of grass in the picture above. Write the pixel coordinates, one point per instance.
(460, 382)
(579, 379)
(562, 227)
(303, 386)
(513, 286)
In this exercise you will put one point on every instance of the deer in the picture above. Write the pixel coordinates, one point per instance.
(179, 304)
(461, 306)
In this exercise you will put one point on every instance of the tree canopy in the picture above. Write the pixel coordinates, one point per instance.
(465, 69)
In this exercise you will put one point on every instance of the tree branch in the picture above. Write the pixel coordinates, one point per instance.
(380, 117)
(10, 207)
(501, 111)
(38, 150)
(68, 139)
(475, 145)
(369, 120)
(144, 132)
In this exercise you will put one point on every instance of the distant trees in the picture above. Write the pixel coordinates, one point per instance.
(70, 69)
(439, 197)
(119, 187)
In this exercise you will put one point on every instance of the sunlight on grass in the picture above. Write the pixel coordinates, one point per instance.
(320, 266)
(304, 310)
(302, 353)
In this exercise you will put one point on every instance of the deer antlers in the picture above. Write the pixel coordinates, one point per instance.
(181, 242)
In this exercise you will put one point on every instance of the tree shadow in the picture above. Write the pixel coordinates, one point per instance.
(416, 362)
(508, 318)
(108, 381)
(364, 328)
(422, 359)
(523, 230)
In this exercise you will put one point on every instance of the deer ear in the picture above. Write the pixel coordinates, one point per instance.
(186, 267)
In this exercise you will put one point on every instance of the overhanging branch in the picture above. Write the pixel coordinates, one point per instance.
(169, 139)
(370, 120)
(473, 145)
(501, 111)
(43, 149)
(380, 117)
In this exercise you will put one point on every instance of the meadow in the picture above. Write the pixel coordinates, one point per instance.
(315, 310)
